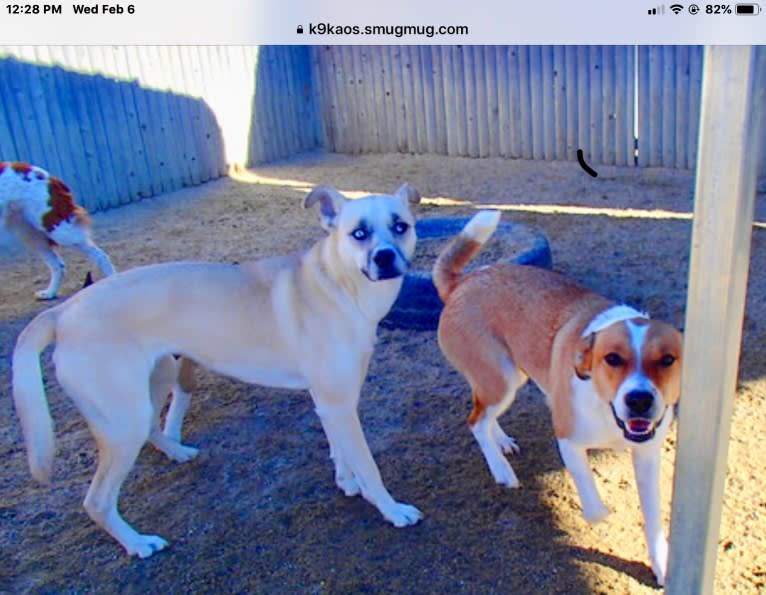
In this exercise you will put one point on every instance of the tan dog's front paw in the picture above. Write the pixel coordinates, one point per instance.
(145, 545)
(402, 515)
(348, 485)
(45, 294)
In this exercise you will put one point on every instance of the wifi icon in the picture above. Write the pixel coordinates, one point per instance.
(676, 8)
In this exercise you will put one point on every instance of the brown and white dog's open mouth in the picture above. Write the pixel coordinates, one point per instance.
(638, 429)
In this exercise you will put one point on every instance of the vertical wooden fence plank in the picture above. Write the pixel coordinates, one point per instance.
(430, 105)
(559, 123)
(583, 101)
(608, 112)
(668, 111)
(526, 131)
(694, 101)
(447, 54)
(624, 105)
(408, 100)
(469, 83)
(480, 123)
(339, 115)
(422, 97)
(382, 92)
(595, 122)
(549, 82)
(503, 101)
(367, 75)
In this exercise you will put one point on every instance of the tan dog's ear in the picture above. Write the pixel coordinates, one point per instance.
(408, 194)
(583, 359)
(330, 204)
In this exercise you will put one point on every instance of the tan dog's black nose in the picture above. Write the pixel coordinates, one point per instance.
(384, 258)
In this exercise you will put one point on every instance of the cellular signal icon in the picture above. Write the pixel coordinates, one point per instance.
(657, 10)
(676, 8)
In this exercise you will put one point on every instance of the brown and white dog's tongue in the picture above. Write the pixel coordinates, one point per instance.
(638, 425)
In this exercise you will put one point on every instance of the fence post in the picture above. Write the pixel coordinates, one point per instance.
(720, 255)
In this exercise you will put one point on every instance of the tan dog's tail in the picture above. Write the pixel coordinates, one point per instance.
(29, 394)
(461, 250)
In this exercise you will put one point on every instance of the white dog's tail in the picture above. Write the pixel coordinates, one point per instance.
(461, 250)
(29, 394)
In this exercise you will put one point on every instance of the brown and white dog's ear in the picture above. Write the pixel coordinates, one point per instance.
(330, 204)
(408, 194)
(583, 358)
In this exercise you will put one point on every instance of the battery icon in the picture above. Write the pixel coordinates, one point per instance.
(747, 9)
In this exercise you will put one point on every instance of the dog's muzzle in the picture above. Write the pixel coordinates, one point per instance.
(638, 427)
(386, 263)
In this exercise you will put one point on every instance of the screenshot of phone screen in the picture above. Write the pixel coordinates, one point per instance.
(623, 146)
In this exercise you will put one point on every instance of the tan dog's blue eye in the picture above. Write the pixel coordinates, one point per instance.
(614, 360)
(400, 228)
(667, 360)
(360, 234)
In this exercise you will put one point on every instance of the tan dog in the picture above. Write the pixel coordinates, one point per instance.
(611, 376)
(41, 210)
(305, 321)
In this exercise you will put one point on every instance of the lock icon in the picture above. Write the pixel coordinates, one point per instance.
(300, 29)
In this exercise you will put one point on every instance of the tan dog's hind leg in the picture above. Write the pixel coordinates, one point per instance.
(179, 403)
(344, 477)
(163, 382)
(120, 424)
(355, 468)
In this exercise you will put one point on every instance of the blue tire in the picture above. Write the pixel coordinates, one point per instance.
(418, 306)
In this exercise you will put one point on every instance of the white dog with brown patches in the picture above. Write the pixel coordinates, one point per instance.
(611, 376)
(41, 210)
(304, 321)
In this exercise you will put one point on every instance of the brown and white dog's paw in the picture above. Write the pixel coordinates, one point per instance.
(503, 473)
(595, 513)
(658, 552)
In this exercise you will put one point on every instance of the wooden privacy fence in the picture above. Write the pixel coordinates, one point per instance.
(623, 105)
(531, 102)
(121, 123)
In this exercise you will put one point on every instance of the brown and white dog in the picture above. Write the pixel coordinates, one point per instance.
(40, 208)
(610, 374)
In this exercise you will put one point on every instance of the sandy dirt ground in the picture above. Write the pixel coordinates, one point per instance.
(259, 511)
